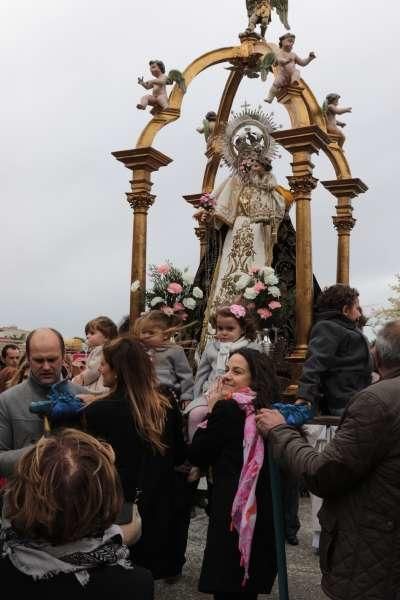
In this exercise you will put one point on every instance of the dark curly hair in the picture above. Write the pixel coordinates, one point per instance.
(247, 323)
(263, 377)
(336, 297)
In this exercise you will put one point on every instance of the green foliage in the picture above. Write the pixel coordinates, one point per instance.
(393, 311)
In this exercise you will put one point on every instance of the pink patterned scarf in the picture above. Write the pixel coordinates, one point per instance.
(244, 507)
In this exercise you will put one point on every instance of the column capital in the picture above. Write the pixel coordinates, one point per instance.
(344, 223)
(349, 188)
(302, 184)
(147, 159)
(140, 202)
(302, 139)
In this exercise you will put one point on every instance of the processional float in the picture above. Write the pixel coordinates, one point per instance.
(313, 129)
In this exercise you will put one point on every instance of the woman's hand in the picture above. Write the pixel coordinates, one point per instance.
(214, 394)
(268, 419)
(87, 398)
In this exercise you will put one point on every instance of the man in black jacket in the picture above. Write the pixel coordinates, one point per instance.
(338, 363)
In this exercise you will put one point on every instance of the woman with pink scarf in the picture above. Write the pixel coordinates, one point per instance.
(239, 558)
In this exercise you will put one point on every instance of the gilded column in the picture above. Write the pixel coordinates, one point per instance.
(142, 162)
(201, 228)
(302, 185)
(344, 191)
(302, 142)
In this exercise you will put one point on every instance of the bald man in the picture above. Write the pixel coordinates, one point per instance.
(19, 428)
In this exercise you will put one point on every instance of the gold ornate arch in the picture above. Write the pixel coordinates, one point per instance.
(306, 136)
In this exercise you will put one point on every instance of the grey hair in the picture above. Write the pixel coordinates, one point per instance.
(388, 344)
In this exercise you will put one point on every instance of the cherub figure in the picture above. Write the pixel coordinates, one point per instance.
(286, 61)
(259, 12)
(158, 99)
(330, 109)
(208, 125)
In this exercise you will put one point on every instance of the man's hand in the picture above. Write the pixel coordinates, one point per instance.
(268, 419)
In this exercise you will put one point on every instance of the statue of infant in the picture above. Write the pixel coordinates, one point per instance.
(286, 61)
(330, 109)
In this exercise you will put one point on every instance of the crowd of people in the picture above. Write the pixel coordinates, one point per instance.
(99, 481)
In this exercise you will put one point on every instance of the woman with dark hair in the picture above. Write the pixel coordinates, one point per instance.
(239, 558)
(145, 430)
(57, 534)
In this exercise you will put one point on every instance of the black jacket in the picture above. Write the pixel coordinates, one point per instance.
(104, 583)
(140, 467)
(220, 445)
(338, 363)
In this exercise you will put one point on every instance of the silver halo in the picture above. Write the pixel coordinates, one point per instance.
(249, 132)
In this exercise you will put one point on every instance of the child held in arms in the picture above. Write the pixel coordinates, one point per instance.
(172, 368)
(235, 328)
(98, 331)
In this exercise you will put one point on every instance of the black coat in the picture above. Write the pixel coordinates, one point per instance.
(140, 467)
(338, 364)
(105, 582)
(220, 446)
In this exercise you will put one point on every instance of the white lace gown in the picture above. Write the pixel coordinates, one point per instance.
(253, 211)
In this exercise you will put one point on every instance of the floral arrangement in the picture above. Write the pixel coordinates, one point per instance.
(172, 291)
(259, 291)
(207, 201)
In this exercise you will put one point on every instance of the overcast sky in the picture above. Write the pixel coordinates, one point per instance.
(69, 70)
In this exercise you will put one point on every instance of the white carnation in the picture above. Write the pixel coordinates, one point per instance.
(197, 293)
(250, 293)
(243, 282)
(135, 285)
(157, 300)
(268, 271)
(189, 303)
(274, 291)
(271, 279)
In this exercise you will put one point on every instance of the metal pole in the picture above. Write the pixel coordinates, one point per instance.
(276, 491)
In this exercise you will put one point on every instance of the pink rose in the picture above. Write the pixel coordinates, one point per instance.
(237, 310)
(167, 310)
(259, 286)
(264, 313)
(163, 269)
(174, 288)
(183, 316)
(274, 304)
(253, 270)
(178, 306)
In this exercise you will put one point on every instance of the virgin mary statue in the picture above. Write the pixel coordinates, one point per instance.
(250, 205)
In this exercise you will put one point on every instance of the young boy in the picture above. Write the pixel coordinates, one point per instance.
(339, 362)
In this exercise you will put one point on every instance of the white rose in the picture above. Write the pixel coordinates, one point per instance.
(274, 291)
(243, 282)
(250, 293)
(157, 300)
(197, 293)
(271, 279)
(135, 285)
(189, 303)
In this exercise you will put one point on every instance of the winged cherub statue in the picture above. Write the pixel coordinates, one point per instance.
(158, 99)
(259, 12)
(331, 109)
